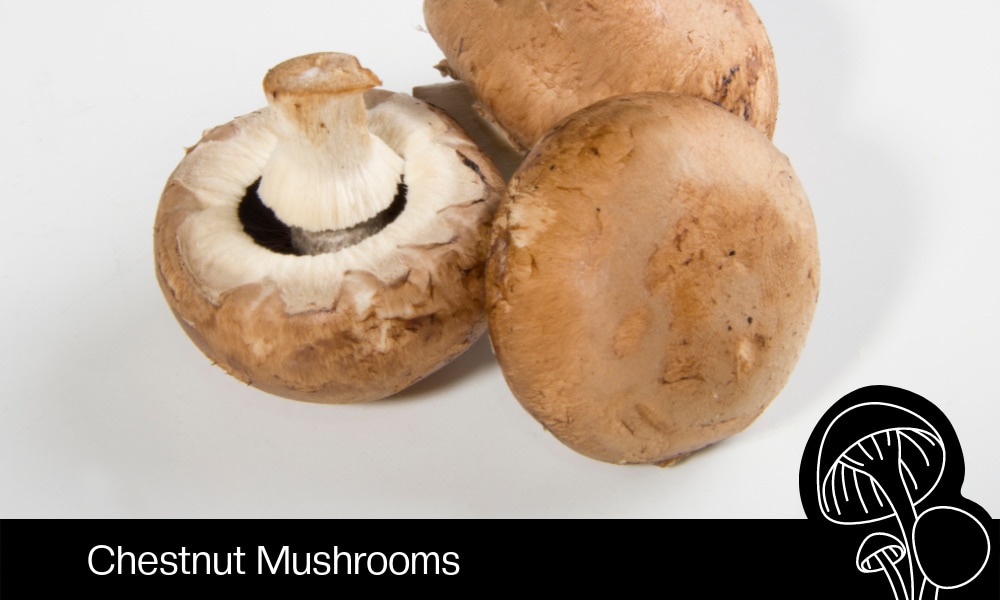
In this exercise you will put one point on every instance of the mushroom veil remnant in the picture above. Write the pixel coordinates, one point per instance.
(330, 246)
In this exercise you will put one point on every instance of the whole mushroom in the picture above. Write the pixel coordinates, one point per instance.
(882, 552)
(653, 276)
(531, 63)
(330, 246)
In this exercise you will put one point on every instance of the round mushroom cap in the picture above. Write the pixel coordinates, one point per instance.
(653, 276)
(877, 549)
(358, 324)
(532, 63)
(862, 451)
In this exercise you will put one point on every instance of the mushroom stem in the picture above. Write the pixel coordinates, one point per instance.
(892, 574)
(928, 591)
(890, 479)
(881, 551)
(327, 172)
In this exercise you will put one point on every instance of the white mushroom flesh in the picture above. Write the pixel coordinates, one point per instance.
(332, 178)
(222, 257)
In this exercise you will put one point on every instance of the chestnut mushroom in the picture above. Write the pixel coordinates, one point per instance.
(330, 246)
(653, 276)
(531, 63)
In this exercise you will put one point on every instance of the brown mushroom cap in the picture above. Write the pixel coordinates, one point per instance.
(532, 63)
(653, 277)
(353, 325)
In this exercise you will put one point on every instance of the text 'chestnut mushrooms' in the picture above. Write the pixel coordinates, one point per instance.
(653, 277)
(330, 246)
(531, 63)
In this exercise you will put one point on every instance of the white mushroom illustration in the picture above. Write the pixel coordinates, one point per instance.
(888, 462)
(934, 538)
(882, 552)
(881, 474)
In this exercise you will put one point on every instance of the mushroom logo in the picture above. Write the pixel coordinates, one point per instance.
(887, 462)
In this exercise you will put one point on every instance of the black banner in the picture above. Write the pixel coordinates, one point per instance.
(776, 558)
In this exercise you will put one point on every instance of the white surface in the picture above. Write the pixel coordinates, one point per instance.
(888, 114)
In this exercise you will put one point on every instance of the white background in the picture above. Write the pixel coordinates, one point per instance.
(889, 115)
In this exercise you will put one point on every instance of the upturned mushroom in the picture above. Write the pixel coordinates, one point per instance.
(330, 246)
(531, 63)
(653, 277)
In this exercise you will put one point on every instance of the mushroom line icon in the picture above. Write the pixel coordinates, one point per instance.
(887, 461)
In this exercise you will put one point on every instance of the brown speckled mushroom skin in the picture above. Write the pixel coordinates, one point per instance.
(533, 62)
(653, 277)
(343, 353)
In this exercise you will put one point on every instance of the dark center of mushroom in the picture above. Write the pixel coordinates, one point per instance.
(267, 230)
